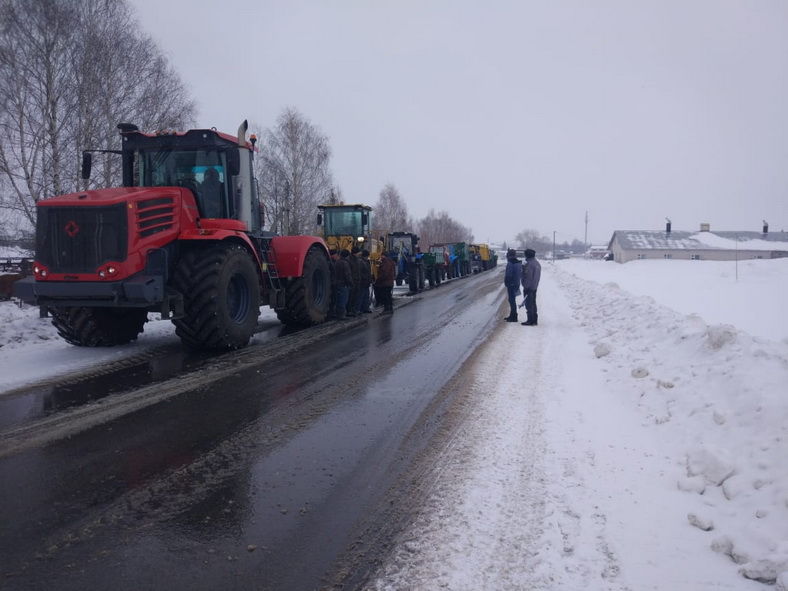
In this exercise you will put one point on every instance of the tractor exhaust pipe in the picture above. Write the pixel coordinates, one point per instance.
(242, 133)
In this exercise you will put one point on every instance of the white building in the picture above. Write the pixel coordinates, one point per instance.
(629, 245)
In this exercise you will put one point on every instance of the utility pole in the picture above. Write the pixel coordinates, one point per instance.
(585, 238)
(553, 246)
(737, 258)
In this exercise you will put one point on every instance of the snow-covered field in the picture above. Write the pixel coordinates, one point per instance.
(751, 295)
(635, 439)
(628, 442)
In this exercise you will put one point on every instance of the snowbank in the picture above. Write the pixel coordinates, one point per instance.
(754, 301)
(715, 394)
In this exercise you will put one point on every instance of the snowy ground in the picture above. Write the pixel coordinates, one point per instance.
(14, 252)
(630, 441)
(620, 445)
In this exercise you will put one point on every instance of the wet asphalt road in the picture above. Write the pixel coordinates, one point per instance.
(259, 473)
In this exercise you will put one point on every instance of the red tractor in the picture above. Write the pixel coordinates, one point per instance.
(183, 237)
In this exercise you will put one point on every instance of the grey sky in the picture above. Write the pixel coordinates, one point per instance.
(514, 115)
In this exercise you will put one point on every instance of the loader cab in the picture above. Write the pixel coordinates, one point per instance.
(346, 226)
(215, 167)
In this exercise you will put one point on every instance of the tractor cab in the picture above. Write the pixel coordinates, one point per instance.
(346, 226)
(215, 167)
(405, 248)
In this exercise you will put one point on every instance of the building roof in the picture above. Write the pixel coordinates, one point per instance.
(679, 240)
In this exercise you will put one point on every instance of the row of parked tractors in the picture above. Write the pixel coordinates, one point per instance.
(346, 226)
(184, 237)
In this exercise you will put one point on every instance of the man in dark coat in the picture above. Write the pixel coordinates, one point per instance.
(384, 284)
(511, 279)
(531, 275)
(366, 280)
(355, 270)
(344, 281)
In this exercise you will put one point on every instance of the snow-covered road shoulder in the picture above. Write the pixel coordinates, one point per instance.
(619, 445)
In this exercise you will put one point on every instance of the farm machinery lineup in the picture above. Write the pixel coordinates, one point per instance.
(183, 236)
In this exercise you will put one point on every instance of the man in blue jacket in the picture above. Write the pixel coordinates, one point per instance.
(512, 278)
(531, 275)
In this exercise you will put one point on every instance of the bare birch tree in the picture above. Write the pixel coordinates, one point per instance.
(391, 213)
(70, 70)
(530, 238)
(438, 228)
(294, 174)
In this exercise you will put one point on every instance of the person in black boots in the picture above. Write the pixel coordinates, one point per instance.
(384, 284)
(531, 275)
(355, 271)
(511, 279)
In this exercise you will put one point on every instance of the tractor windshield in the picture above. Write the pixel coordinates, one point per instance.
(343, 222)
(201, 171)
(401, 244)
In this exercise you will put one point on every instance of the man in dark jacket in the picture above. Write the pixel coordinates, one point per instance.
(366, 280)
(355, 270)
(384, 284)
(332, 262)
(511, 279)
(344, 281)
(531, 275)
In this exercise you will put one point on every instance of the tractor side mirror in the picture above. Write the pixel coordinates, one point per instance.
(320, 219)
(87, 164)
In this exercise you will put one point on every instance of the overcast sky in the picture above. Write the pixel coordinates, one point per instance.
(513, 115)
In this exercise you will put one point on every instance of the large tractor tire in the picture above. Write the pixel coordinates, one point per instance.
(221, 297)
(99, 327)
(307, 297)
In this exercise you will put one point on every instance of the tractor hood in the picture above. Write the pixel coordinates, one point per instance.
(113, 196)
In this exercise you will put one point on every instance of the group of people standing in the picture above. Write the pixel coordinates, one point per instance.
(528, 275)
(351, 278)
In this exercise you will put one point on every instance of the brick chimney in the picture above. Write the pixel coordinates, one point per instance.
(765, 227)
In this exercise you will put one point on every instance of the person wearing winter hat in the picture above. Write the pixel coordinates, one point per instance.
(511, 279)
(531, 275)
